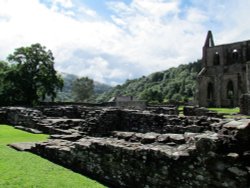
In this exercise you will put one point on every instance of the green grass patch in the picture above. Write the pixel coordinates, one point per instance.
(26, 170)
(231, 113)
(180, 108)
(228, 111)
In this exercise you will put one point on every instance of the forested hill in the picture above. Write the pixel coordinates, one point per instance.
(174, 84)
(66, 94)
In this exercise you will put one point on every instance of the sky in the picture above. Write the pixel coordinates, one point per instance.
(111, 41)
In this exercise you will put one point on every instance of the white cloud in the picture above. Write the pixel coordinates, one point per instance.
(99, 69)
(139, 38)
(156, 7)
(87, 11)
(63, 3)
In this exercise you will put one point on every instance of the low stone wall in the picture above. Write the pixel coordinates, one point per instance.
(101, 121)
(199, 162)
(3, 118)
(22, 116)
(199, 111)
(139, 105)
(130, 148)
(170, 110)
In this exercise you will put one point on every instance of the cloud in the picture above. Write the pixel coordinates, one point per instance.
(135, 39)
(63, 3)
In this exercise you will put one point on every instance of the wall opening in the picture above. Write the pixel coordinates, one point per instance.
(230, 90)
(210, 94)
(235, 55)
(216, 58)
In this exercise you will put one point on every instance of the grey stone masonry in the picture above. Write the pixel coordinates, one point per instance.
(245, 104)
(131, 148)
(225, 73)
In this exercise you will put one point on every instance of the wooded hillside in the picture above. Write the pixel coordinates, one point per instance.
(176, 84)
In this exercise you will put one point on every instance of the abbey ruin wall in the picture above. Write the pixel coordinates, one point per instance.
(225, 73)
(130, 148)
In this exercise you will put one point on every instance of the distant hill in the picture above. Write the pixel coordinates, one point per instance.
(66, 95)
(176, 84)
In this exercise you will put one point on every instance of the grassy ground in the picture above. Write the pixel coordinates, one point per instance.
(26, 170)
(228, 111)
(232, 113)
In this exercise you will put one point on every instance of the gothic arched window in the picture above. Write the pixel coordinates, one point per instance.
(210, 91)
(235, 55)
(216, 58)
(230, 90)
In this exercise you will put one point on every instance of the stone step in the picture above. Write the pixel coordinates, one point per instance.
(31, 130)
(168, 138)
(23, 146)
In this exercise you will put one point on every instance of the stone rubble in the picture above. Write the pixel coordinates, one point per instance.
(130, 148)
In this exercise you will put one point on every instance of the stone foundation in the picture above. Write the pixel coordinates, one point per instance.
(129, 148)
(199, 111)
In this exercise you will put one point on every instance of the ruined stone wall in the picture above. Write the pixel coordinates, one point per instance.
(245, 104)
(124, 164)
(23, 116)
(139, 105)
(223, 64)
(129, 148)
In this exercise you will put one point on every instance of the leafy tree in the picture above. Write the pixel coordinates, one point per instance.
(3, 69)
(177, 97)
(152, 96)
(3, 66)
(158, 76)
(9, 93)
(82, 89)
(32, 74)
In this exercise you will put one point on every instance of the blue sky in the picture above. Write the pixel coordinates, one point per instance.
(115, 40)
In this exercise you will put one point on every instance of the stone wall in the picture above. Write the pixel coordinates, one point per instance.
(245, 104)
(121, 163)
(139, 105)
(130, 148)
(199, 111)
(170, 110)
(224, 76)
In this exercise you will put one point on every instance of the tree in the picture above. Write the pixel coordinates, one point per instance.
(152, 96)
(82, 89)
(157, 77)
(33, 74)
(4, 67)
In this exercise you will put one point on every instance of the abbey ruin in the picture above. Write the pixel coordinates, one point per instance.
(225, 73)
(153, 146)
(144, 149)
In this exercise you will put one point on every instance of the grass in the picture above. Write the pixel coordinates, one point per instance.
(180, 108)
(228, 111)
(231, 113)
(26, 170)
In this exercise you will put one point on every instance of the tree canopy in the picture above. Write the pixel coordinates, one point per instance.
(82, 89)
(30, 76)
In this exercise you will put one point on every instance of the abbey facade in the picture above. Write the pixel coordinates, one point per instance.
(225, 73)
